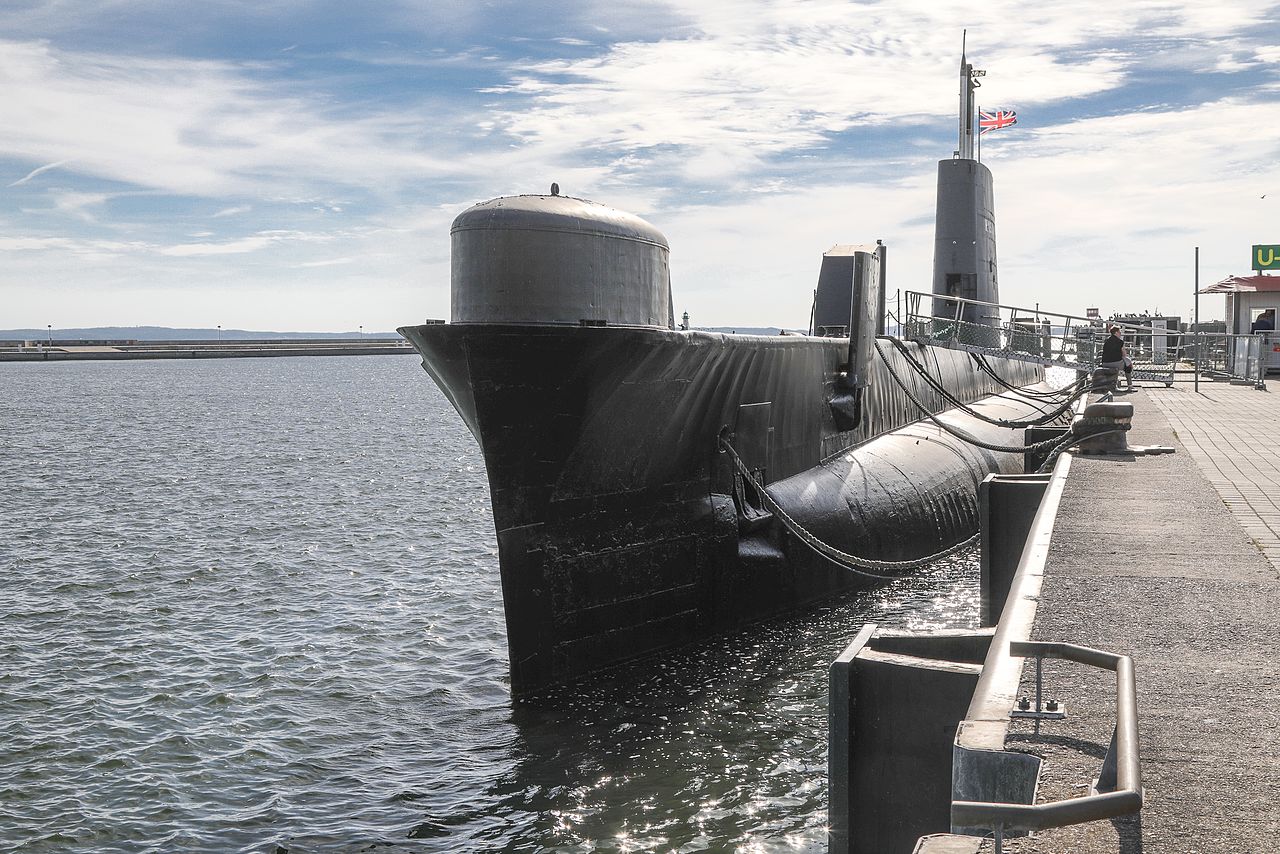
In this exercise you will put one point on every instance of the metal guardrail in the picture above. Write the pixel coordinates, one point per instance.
(986, 777)
(1035, 335)
(1219, 355)
(1052, 338)
(1118, 790)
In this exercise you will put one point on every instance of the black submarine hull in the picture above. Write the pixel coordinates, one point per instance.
(623, 528)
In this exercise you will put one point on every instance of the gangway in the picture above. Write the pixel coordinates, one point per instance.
(1035, 335)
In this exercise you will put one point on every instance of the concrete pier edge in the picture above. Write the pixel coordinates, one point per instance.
(1169, 560)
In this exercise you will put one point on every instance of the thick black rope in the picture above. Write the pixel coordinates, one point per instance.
(1071, 439)
(955, 431)
(1036, 398)
(853, 563)
(861, 565)
(947, 395)
(1052, 395)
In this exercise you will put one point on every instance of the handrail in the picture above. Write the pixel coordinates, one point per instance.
(980, 739)
(1093, 321)
(1039, 335)
(1125, 796)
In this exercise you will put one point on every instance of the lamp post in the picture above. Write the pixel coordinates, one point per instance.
(1195, 381)
(49, 326)
(219, 333)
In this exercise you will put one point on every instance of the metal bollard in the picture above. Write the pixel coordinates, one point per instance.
(1102, 427)
(1104, 379)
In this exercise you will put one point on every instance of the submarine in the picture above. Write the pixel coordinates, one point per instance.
(654, 485)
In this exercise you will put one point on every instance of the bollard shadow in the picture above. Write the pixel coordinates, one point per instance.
(1128, 827)
(1120, 457)
(1129, 830)
(1077, 745)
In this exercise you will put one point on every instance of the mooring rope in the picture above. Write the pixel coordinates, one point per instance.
(1052, 395)
(1071, 439)
(955, 431)
(865, 566)
(946, 394)
(853, 563)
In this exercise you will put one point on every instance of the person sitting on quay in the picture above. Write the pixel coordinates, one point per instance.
(1116, 356)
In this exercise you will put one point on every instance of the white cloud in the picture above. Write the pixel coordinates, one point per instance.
(1108, 211)
(233, 211)
(192, 127)
(74, 249)
(230, 247)
(714, 101)
(40, 170)
(253, 243)
(328, 262)
(1098, 212)
(744, 131)
(76, 204)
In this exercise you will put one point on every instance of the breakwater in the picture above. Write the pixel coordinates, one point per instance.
(77, 350)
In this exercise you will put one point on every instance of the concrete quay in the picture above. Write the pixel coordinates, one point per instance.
(1172, 560)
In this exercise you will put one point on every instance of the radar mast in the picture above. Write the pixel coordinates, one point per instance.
(968, 83)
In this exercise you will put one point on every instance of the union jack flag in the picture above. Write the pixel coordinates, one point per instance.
(996, 120)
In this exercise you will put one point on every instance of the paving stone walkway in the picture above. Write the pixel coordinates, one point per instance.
(1233, 434)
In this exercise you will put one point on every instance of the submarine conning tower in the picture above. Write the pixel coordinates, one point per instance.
(558, 260)
(964, 248)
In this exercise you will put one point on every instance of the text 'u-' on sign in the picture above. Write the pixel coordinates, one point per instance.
(1266, 257)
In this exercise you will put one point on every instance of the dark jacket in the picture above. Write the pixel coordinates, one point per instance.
(1113, 349)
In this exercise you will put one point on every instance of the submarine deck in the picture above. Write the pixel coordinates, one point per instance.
(1173, 560)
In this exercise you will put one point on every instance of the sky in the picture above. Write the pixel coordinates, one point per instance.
(296, 165)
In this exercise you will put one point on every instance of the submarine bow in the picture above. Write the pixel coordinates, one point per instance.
(622, 527)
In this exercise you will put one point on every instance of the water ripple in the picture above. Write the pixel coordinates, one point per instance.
(253, 605)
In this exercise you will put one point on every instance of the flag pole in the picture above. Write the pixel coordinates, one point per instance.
(979, 133)
(1196, 324)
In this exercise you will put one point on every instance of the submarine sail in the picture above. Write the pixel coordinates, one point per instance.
(964, 249)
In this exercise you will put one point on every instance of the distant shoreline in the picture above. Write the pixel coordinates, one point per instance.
(174, 334)
(105, 350)
(193, 336)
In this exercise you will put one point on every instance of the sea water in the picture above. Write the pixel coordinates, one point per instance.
(253, 605)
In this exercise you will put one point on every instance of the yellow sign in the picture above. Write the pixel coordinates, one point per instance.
(1266, 257)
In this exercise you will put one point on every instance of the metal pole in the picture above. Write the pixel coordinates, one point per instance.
(884, 280)
(1199, 341)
